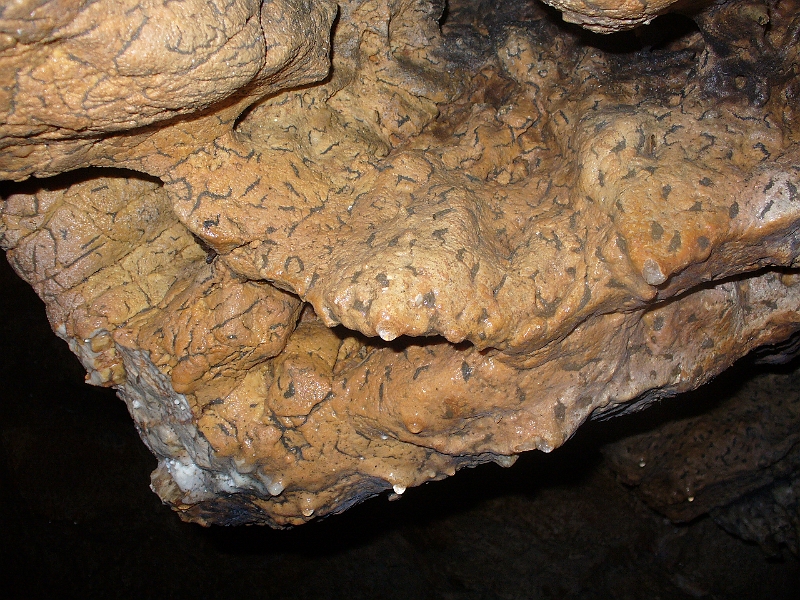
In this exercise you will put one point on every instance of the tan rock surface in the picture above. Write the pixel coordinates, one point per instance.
(605, 16)
(737, 460)
(455, 246)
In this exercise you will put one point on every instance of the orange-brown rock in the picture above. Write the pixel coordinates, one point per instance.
(737, 460)
(456, 242)
(605, 16)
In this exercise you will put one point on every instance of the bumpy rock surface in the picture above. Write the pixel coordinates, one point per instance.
(738, 461)
(605, 16)
(345, 252)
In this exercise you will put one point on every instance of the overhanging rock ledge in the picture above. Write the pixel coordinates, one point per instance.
(324, 251)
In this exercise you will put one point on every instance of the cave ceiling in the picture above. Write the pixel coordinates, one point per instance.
(326, 250)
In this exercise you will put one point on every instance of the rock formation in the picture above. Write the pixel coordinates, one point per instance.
(605, 16)
(738, 461)
(324, 252)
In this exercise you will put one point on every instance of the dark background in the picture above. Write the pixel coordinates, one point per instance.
(77, 518)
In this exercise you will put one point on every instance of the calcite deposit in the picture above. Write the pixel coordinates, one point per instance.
(605, 16)
(739, 460)
(325, 251)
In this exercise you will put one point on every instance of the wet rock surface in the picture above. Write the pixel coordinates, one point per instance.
(738, 461)
(343, 255)
(79, 522)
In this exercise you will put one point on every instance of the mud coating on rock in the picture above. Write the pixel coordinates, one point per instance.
(325, 251)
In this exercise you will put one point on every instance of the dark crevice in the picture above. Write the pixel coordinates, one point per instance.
(64, 181)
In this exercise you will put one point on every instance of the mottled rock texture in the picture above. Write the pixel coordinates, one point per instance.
(605, 16)
(738, 461)
(342, 250)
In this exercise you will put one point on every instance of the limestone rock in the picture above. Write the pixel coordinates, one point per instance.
(605, 16)
(456, 242)
(769, 516)
(738, 461)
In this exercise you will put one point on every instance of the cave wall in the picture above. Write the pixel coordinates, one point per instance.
(324, 251)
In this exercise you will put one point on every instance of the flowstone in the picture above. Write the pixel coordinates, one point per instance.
(322, 252)
(738, 460)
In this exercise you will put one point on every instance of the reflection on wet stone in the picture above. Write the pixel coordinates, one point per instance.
(322, 252)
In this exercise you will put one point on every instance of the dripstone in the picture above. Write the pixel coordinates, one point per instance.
(325, 251)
